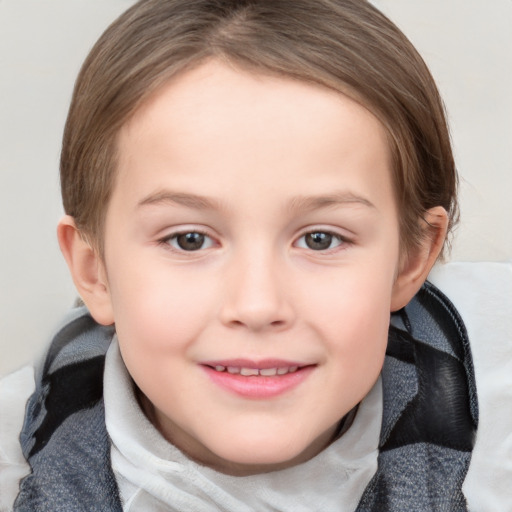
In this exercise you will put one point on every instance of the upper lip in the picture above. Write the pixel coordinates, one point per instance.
(257, 365)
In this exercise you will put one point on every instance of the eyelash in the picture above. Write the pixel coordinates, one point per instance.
(342, 241)
(167, 240)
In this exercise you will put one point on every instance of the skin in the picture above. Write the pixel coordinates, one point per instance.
(256, 164)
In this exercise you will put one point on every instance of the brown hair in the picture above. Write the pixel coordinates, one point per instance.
(345, 45)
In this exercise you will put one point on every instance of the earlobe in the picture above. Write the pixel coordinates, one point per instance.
(418, 263)
(87, 270)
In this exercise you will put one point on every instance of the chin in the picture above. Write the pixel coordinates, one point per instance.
(264, 455)
(255, 464)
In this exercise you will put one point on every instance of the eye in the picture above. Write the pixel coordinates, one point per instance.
(319, 241)
(190, 241)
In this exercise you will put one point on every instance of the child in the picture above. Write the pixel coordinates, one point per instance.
(251, 187)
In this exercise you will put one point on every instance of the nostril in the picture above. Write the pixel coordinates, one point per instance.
(258, 325)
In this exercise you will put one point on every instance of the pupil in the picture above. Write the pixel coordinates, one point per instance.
(318, 241)
(190, 241)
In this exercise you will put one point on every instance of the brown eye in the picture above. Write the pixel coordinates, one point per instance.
(189, 241)
(318, 241)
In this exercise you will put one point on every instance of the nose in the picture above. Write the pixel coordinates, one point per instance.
(257, 296)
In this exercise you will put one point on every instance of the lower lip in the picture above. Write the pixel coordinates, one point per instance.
(257, 386)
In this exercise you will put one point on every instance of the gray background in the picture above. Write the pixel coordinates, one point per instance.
(467, 44)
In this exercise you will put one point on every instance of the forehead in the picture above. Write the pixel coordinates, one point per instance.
(219, 125)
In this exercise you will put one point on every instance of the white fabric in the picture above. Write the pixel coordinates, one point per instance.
(482, 293)
(15, 390)
(154, 475)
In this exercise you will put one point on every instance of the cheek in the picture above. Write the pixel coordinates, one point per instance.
(358, 340)
(353, 319)
(157, 310)
(356, 351)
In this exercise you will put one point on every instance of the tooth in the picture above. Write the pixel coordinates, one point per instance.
(293, 369)
(233, 369)
(282, 371)
(268, 372)
(248, 371)
(220, 368)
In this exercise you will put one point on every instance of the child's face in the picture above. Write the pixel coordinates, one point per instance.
(252, 227)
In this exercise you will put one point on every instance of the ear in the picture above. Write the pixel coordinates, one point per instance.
(419, 261)
(87, 270)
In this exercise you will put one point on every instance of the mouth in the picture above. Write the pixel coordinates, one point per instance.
(263, 380)
(252, 372)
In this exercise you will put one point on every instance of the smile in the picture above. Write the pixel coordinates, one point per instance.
(248, 372)
(264, 380)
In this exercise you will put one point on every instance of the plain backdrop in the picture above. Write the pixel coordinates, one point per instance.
(466, 43)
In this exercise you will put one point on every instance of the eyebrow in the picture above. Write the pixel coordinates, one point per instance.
(189, 200)
(297, 204)
(308, 203)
